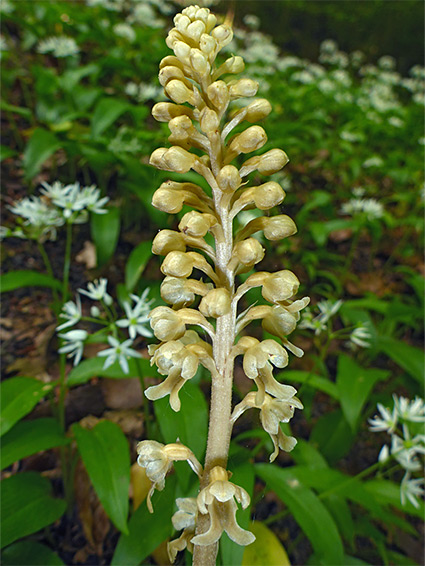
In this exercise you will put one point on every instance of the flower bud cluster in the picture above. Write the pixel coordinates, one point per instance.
(199, 286)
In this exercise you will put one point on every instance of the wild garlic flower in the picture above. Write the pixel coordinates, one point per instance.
(207, 102)
(73, 344)
(60, 46)
(137, 316)
(39, 220)
(71, 312)
(218, 500)
(370, 207)
(96, 290)
(75, 201)
(407, 445)
(158, 460)
(120, 351)
(361, 336)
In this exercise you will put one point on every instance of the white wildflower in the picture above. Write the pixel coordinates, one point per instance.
(410, 489)
(410, 410)
(304, 77)
(374, 161)
(97, 291)
(386, 62)
(39, 216)
(75, 201)
(74, 344)
(252, 21)
(60, 46)
(137, 316)
(361, 336)
(71, 312)
(119, 351)
(125, 31)
(387, 421)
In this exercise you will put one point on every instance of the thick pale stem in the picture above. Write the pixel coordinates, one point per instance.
(220, 427)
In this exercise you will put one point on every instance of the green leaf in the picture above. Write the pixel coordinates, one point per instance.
(6, 152)
(27, 278)
(105, 454)
(27, 506)
(18, 396)
(332, 435)
(146, 531)
(106, 112)
(316, 381)
(307, 509)
(243, 475)
(408, 357)
(190, 425)
(94, 368)
(266, 549)
(41, 146)
(105, 231)
(354, 385)
(29, 437)
(388, 492)
(136, 263)
(25, 112)
(26, 552)
(340, 511)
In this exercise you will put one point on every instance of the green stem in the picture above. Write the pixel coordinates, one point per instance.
(351, 252)
(49, 269)
(67, 261)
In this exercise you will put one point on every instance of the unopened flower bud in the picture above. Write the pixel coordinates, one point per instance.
(234, 65)
(222, 34)
(280, 286)
(267, 164)
(181, 22)
(195, 30)
(251, 139)
(196, 224)
(218, 93)
(182, 51)
(167, 200)
(173, 37)
(279, 227)
(199, 62)
(179, 92)
(167, 241)
(209, 121)
(166, 324)
(166, 111)
(166, 74)
(177, 264)
(207, 44)
(228, 179)
(257, 110)
(173, 159)
(181, 292)
(268, 195)
(215, 303)
(170, 60)
(243, 88)
(249, 252)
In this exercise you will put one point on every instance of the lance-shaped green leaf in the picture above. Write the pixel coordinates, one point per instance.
(105, 453)
(105, 230)
(146, 531)
(307, 509)
(41, 146)
(18, 396)
(29, 552)
(27, 278)
(354, 385)
(27, 506)
(408, 357)
(29, 437)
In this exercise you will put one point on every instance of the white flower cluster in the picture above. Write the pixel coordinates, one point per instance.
(327, 309)
(39, 217)
(370, 207)
(59, 46)
(404, 423)
(143, 91)
(135, 322)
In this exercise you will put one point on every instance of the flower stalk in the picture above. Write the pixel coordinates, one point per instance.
(200, 117)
